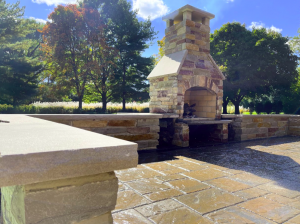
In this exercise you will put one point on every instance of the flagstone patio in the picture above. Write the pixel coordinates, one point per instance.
(248, 182)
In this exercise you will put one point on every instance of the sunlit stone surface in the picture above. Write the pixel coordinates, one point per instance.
(253, 182)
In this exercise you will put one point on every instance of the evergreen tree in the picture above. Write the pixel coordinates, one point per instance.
(20, 64)
(129, 36)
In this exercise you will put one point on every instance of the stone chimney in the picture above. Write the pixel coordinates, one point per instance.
(187, 74)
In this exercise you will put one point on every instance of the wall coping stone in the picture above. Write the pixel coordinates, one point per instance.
(257, 116)
(35, 150)
(170, 115)
(120, 116)
(196, 13)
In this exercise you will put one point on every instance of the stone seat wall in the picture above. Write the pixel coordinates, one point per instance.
(248, 127)
(139, 128)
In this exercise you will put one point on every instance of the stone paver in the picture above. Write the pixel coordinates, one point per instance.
(160, 195)
(251, 193)
(158, 207)
(238, 183)
(180, 216)
(270, 209)
(129, 216)
(228, 185)
(188, 185)
(236, 215)
(208, 200)
(129, 199)
(295, 220)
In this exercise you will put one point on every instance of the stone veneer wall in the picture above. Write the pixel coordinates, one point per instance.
(188, 35)
(181, 136)
(140, 128)
(248, 127)
(294, 125)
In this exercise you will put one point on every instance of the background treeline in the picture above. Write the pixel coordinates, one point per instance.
(91, 51)
(260, 66)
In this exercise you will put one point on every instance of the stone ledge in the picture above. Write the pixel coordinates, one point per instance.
(73, 117)
(35, 150)
(257, 116)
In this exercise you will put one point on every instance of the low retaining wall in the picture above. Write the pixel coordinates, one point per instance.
(294, 125)
(139, 128)
(55, 174)
(248, 127)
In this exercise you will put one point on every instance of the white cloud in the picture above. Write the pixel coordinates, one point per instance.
(228, 1)
(256, 25)
(275, 29)
(39, 20)
(260, 25)
(54, 2)
(150, 8)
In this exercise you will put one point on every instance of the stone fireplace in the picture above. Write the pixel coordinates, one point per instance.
(187, 74)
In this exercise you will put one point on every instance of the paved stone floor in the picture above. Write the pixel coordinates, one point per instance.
(249, 182)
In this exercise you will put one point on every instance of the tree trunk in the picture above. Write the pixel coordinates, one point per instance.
(123, 86)
(124, 103)
(104, 102)
(237, 107)
(80, 104)
(225, 104)
(14, 101)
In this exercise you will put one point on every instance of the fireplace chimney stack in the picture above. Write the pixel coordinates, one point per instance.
(187, 74)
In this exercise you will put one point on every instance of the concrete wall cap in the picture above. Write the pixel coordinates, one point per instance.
(35, 150)
(169, 64)
(198, 14)
(119, 116)
(257, 116)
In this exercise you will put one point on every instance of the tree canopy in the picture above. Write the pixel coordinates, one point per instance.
(130, 36)
(73, 41)
(20, 63)
(255, 62)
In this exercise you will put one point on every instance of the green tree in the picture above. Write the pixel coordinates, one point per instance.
(130, 36)
(11, 22)
(295, 43)
(161, 50)
(20, 64)
(255, 62)
(72, 42)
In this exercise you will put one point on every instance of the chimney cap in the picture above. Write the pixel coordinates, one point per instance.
(197, 14)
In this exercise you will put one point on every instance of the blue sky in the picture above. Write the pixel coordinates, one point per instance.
(282, 16)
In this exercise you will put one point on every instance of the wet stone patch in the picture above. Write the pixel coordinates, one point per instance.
(248, 182)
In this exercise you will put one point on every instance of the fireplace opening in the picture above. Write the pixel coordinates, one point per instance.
(204, 101)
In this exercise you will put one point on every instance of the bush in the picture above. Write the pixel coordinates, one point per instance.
(268, 107)
(259, 107)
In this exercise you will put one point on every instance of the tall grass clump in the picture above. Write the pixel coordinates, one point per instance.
(72, 108)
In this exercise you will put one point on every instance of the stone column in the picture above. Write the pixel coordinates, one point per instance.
(187, 14)
(170, 23)
(56, 174)
(181, 135)
(206, 21)
(220, 133)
